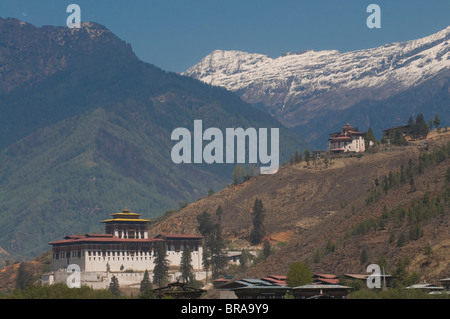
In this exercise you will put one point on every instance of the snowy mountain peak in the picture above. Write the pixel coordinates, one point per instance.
(294, 82)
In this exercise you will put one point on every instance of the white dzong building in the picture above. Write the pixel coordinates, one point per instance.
(125, 248)
(348, 140)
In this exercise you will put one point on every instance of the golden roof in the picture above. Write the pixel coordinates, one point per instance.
(125, 216)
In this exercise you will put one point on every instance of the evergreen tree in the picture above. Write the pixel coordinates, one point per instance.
(298, 157)
(398, 139)
(420, 127)
(411, 121)
(266, 249)
(24, 277)
(186, 269)
(114, 286)
(413, 186)
(363, 257)
(437, 122)
(258, 231)
(145, 283)
(216, 246)
(307, 156)
(415, 232)
(205, 224)
(447, 175)
(161, 270)
(219, 215)
(245, 260)
(402, 175)
(370, 137)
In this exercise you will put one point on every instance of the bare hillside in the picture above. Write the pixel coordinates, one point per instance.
(308, 206)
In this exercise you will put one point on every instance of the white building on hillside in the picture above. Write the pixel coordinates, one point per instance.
(348, 140)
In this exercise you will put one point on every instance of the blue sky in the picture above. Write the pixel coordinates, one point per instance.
(176, 34)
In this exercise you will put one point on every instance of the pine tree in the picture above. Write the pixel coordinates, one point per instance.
(186, 269)
(24, 277)
(363, 257)
(402, 175)
(245, 260)
(216, 246)
(420, 128)
(205, 225)
(145, 283)
(370, 137)
(266, 249)
(114, 286)
(161, 270)
(447, 175)
(307, 156)
(437, 122)
(219, 211)
(258, 231)
(398, 139)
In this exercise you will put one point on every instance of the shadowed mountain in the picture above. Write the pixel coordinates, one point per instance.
(86, 130)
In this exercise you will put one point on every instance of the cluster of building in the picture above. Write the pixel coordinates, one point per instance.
(324, 286)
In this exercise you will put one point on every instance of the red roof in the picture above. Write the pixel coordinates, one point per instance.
(179, 236)
(221, 280)
(105, 238)
(339, 138)
(328, 276)
(328, 281)
(279, 280)
(357, 276)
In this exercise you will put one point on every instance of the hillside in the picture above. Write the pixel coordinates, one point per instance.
(307, 206)
(86, 131)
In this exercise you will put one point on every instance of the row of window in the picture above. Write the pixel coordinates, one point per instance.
(119, 258)
(79, 254)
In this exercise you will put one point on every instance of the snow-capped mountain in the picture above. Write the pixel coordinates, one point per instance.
(297, 87)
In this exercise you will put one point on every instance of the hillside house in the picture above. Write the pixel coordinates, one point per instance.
(404, 129)
(348, 140)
